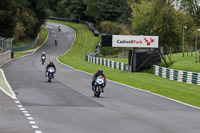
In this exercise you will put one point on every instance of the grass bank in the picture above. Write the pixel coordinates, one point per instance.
(43, 35)
(86, 42)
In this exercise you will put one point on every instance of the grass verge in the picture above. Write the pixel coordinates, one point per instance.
(86, 42)
(43, 36)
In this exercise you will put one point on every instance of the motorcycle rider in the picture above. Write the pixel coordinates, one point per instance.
(59, 29)
(56, 41)
(43, 55)
(98, 73)
(51, 64)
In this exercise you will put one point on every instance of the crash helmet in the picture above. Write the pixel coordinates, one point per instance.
(51, 62)
(100, 71)
(43, 52)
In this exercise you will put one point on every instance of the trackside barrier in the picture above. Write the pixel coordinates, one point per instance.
(22, 48)
(177, 75)
(108, 63)
(5, 57)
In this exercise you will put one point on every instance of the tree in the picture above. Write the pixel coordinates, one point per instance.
(76, 8)
(158, 18)
(192, 7)
(8, 21)
(61, 10)
(91, 10)
(111, 10)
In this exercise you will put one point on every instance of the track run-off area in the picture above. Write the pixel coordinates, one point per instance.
(67, 105)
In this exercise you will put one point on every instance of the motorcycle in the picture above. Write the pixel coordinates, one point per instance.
(98, 86)
(59, 29)
(56, 42)
(50, 73)
(43, 58)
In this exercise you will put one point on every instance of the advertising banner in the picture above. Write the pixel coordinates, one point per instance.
(135, 41)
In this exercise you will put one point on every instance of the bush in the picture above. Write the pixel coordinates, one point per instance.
(109, 27)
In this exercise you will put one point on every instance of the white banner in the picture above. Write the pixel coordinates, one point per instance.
(135, 41)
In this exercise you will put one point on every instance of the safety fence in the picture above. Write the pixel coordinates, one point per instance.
(177, 75)
(5, 44)
(107, 62)
(22, 48)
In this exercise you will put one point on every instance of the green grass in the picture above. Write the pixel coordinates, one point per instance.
(86, 42)
(186, 63)
(124, 60)
(24, 42)
(43, 36)
(3, 84)
(17, 55)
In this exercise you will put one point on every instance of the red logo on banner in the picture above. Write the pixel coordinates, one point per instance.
(149, 43)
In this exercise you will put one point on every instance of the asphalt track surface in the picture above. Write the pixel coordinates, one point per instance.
(67, 105)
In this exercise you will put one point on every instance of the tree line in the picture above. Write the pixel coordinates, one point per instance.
(163, 18)
(23, 18)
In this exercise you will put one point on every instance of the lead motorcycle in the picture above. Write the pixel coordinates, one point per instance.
(98, 86)
(50, 73)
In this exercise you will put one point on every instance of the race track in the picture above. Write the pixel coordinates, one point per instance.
(67, 105)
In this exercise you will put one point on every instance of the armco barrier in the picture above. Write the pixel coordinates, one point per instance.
(180, 76)
(22, 48)
(108, 63)
(5, 57)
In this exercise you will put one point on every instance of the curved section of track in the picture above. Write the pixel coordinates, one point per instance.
(67, 104)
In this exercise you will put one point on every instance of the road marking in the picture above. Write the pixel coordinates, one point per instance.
(32, 122)
(17, 101)
(12, 95)
(24, 111)
(38, 131)
(27, 114)
(34, 126)
(30, 118)
(20, 106)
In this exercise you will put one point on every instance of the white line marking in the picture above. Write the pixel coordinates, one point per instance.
(34, 126)
(27, 114)
(38, 131)
(17, 101)
(30, 118)
(20, 106)
(22, 109)
(32, 122)
(12, 95)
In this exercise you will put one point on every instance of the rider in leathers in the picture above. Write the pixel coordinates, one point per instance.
(50, 65)
(98, 73)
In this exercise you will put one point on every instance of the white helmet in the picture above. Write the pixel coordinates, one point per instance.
(43, 53)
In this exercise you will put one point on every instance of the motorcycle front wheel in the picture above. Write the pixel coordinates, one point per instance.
(49, 78)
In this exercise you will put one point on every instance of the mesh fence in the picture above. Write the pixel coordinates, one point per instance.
(5, 44)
